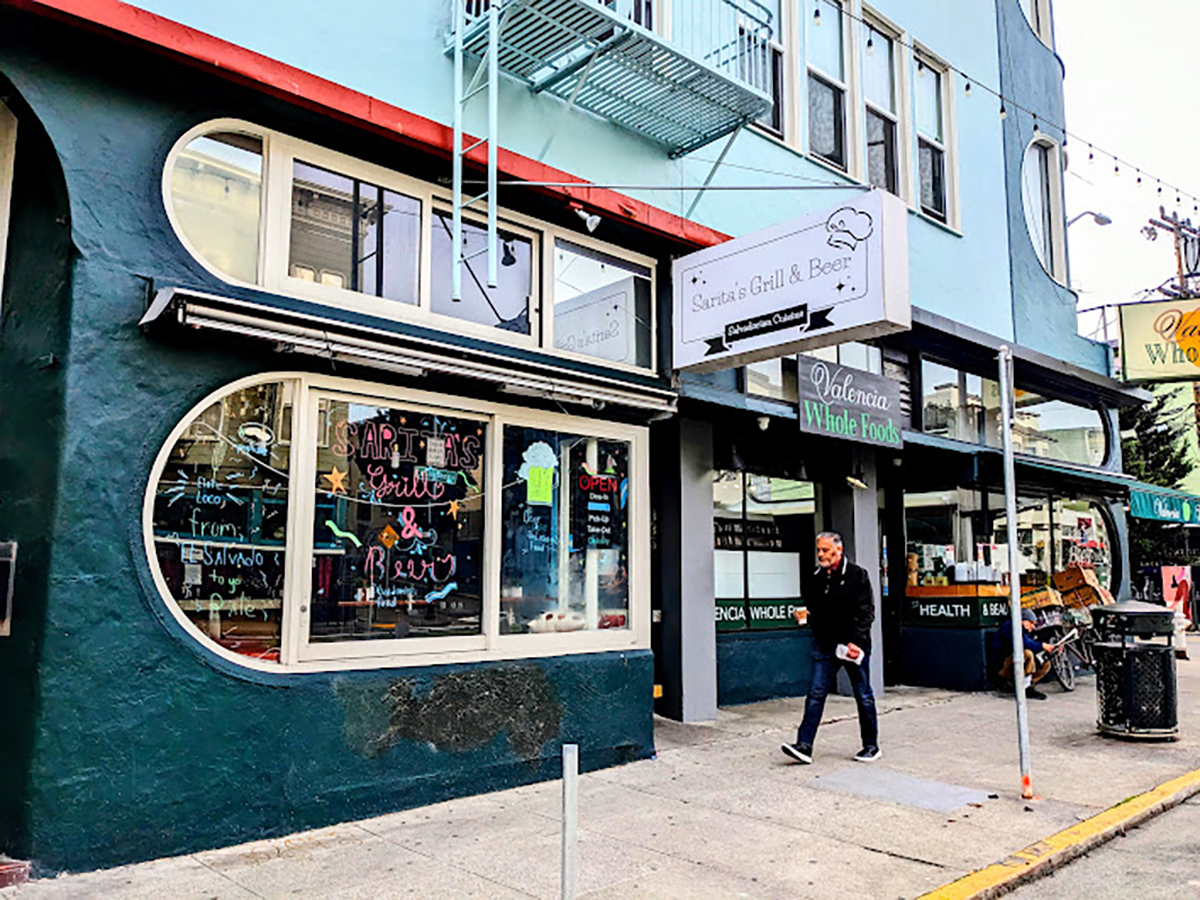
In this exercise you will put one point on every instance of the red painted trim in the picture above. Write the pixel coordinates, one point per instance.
(305, 89)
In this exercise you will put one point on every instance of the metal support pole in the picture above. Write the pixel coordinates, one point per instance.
(493, 128)
(570, 819)
(713, 170)
(1014, 576)
(456, 155)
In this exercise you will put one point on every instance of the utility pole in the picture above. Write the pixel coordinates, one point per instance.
(1187, 253)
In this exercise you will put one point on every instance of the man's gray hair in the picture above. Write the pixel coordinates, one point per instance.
(833, 536)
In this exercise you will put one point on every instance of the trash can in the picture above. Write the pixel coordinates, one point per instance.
(1136, 694)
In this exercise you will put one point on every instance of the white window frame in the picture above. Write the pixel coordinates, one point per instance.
(947, 145)
(1055, 211)
(280, 151)
(901, 117)
(8, 162)
(848, 84)
(296, 652)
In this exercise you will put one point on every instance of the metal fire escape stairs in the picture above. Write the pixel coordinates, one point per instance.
(682, 94)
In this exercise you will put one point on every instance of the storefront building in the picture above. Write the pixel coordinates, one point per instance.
(307, 531)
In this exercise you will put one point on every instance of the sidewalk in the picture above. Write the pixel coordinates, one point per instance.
(722, 813)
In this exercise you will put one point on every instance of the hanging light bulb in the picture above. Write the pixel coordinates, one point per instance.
(1003, 111)
(817, 14)
(1116, 168)
(967, 89)
(870, 44)
(1036, 130)
(1091, 153)
(920, 68)
(1139, 176)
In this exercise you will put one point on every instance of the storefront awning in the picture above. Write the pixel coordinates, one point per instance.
(1149, 501)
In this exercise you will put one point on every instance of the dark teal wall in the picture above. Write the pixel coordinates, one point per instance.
(952, 658)
(140, 742)
(754, 666)
(33, 348)
(1031, 76)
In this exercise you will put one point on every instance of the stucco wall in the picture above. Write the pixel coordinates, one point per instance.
(143, 743)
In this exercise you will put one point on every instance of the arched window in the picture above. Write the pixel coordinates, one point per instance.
(1041, 195)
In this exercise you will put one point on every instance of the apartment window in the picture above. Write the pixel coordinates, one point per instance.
(931, 139)
(321, 523)
(761, 57)
(8, 154)
(825, 42)
(334, 230)
(1040, 186)
(879, 91)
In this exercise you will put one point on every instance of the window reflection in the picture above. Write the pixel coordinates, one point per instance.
(348, 233)
(216, 193)
(505, 306)
(601, 305)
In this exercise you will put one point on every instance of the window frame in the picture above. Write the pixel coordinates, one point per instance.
(945, 145)
(8, 164)
(280, 151)
(846, 84)
(1039, 15)
(1054, 211)
(490, 645)
(901, 115)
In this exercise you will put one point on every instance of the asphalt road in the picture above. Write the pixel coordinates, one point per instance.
(1160, 859)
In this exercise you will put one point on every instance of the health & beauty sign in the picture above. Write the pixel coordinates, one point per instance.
(832, 276)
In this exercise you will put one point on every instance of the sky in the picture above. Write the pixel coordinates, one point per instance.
(1130, 89)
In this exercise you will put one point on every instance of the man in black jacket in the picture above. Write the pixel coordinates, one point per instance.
(841, 610)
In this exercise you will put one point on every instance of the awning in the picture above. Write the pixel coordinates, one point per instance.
(1149, 501)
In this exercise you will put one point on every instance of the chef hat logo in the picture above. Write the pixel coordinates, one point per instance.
(847, 227)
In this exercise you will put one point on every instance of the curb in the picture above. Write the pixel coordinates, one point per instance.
(1040, 859)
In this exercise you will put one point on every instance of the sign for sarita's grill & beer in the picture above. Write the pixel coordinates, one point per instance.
(836, 401)
(826, 278)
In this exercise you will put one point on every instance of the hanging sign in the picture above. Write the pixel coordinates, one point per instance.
(1160, 341)
(826, 278)
(836, 401)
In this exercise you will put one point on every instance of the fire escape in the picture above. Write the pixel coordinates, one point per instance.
(681, 86)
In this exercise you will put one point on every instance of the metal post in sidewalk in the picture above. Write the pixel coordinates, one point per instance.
(1007, 414)
(570, 821)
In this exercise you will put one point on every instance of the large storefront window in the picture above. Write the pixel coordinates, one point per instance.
(763, 534)
(398, 529)
(565, 553)
(425, 533)
(966, 407)
(1053, 535)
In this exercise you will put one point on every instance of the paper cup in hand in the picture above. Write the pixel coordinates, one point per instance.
(800, 615)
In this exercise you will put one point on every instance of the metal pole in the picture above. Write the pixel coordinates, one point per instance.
(1014, 576)
(493, 129)
(570, 817)
(456, 252)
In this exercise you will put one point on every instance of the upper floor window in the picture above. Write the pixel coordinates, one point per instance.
(761, 56)
(264, 209)
(931, 138)
(776, 379)
(1039, 15)
(1041, 196)
(826, 50)
(882, 108)
(8, 157)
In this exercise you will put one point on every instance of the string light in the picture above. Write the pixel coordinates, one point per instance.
(967, 89)
(817, 14)
(1091, 153)
(870, 44)
(1003, 111)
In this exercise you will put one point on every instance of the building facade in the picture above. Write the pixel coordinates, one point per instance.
(327, 503)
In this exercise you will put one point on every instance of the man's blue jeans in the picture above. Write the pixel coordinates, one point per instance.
(824, 673)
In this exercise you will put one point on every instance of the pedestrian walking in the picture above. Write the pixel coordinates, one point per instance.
(840, 610)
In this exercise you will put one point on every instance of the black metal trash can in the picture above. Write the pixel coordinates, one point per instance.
(1136, 692)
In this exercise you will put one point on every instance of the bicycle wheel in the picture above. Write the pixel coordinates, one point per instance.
(1064, 670)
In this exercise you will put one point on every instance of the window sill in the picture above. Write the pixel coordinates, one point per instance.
(944, 226)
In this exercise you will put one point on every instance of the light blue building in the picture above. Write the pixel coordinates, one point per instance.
(351, 467)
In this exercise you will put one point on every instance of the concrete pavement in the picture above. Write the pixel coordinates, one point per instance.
(722, 813)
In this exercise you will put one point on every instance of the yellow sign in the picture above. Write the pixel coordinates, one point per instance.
(1160, 341)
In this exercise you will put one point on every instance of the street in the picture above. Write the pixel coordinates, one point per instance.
(1159, 859)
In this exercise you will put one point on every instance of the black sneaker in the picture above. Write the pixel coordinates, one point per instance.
(868, 754)
(801, 753)
(1033, 693)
